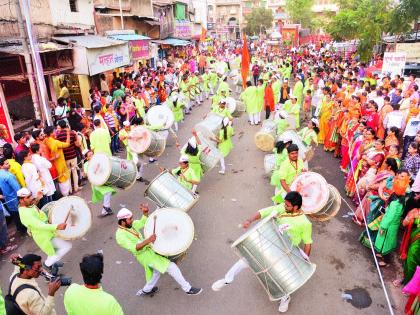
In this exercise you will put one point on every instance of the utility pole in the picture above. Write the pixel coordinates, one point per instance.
(28, 63)
(39, 69)
(121, 15)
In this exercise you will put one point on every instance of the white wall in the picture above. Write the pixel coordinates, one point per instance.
(61, 14)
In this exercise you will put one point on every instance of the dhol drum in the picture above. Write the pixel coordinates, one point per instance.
(269, 163)
(278, 265)
(166, 191)
(266, 136)
(111, 171)
(210, 126)
(147, 142)
(290, 119)
(174, 231)
(239, 109)
(314, 190)
(210, 155)
(230, 104)
(331, 208)
(160, 115)
(71, 210)
(292, 135)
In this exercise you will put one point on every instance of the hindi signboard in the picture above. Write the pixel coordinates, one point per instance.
(394, 63)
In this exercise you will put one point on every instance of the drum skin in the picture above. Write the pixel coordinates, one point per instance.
(111, 171)
(332, 207)
(210, 126)
(160, 115)
(269, 163)
(77, 212)
(265, 138)
(277, 264)
(174, 231)
(146, 142)
(166, 191)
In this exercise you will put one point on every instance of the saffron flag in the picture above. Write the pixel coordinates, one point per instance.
(203, 34)
(245, 61)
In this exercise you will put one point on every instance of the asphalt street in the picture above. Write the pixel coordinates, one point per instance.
(343, 264)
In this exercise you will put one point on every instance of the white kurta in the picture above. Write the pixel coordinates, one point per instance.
(32, 179)
(43, 166)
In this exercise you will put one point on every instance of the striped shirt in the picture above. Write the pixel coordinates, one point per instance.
(111, 120)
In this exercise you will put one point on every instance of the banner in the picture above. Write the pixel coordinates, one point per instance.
(394, 63)
(107, 58)
(139, 49)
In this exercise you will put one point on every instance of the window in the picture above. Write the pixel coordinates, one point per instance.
(73, 5)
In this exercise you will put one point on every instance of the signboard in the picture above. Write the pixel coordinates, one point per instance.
(5, 118)
(139, 49)
(182, 29)
(107, 58)
(412, 51)
(211, 26)
(394, 63)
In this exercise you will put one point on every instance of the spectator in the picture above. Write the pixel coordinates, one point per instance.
(111, 119)
(15, 168)
(20, 139)
(43, 167)
(30, 172)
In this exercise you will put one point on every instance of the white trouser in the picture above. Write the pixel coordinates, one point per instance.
(207, 94)
(194, 188)
(72, 166)
(176, 126)
(107, 200)
(139, 163)
(65, 187)
(236, 269)
(211, 91)
(255, 118)
(222, 164)
(61, 247)
(174, 272)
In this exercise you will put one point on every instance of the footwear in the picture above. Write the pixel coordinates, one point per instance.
(141, 292)
(222, 172)
(284, 304)
(53, 269)
(219, 284)
(142, 180)
(194, 291)
(105, 212)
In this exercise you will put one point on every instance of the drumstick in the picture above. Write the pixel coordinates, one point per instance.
(154, 224)
(68, 214)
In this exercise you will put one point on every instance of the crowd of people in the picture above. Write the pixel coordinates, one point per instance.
(370, 123)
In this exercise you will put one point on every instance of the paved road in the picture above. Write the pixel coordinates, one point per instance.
(342, 263)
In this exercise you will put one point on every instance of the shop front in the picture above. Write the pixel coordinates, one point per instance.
(92, 55)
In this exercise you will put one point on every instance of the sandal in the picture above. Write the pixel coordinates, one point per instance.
(383, 264)
(397, 283)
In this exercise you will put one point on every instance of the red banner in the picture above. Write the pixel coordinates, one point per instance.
(4, 121)
(139, 49)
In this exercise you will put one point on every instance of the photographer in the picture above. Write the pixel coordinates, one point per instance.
(30, 300)
(90, 298)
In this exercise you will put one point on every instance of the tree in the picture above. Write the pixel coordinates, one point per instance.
(300, 12)
(259, 20)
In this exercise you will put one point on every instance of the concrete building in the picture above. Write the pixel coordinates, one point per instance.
(229, 18)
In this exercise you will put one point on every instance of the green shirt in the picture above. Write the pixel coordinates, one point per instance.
(189, 175)
(36, 221)
(300, 228)
(288, 173)
(79, 300)
(2, 307)
(100, 141)
(117, 93)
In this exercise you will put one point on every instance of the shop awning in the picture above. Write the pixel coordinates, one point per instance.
(172, 42)
(128, 37)
(43, 48)
(89, 41)
(139, 44)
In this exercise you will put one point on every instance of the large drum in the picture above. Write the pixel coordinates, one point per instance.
(314, 190)
(166, 191)
(278, 265)
(292, 135)
(239, 109)
(160, 115)
(210, 126)
(111, 171)
(230, 104)
(71, 210)
(290, 119)
(209, 156)
(147, 142)
(269, 163)
(174, 232)
(266, 136)
(331, 208)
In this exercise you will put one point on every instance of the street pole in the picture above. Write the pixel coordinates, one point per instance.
(28, 63)
(39, 70)
(121, 15)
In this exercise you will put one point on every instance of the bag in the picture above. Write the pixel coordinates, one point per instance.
(12, 308)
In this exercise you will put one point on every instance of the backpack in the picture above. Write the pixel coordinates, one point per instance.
(12, 308)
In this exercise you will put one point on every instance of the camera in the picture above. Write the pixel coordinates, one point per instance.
(65, 281)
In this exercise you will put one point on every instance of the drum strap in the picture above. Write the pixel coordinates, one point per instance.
(290, 215)
(131, 231)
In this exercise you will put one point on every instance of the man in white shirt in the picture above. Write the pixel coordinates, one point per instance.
(395, 118)
(29, 171)
(412, 128)
(43, 166)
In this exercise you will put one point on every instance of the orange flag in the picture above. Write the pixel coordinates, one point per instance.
(203, 34)
(245, 62)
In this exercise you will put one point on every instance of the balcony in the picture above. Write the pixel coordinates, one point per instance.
(228, 2)
(113, 4)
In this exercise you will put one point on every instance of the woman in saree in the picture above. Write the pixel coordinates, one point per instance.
(332, 137)
(392, 138)
(393, 152)
(361, 144)
(324, 117)
(368, 166)
(347, 129)
(389, 170)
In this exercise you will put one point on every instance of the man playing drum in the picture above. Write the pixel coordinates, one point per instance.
(43, 233)
(128, 236)
(287, 172)
(186, 175)
(298, 227)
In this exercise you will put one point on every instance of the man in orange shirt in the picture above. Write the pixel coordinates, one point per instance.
(202, 63)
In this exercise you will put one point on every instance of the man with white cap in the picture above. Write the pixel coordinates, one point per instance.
(129, 237)
(186, 175)
(42, 232)
(293, 108)
(224, 142)
(193, 151)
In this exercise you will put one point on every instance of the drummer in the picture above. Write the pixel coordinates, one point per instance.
(292, 107)
(100, 193)
(129, 237)
(174, 102)
(280, 155)
(222, 110)
(224, 142)
(289, 169)
(193, 151)
(309, 134)
(186, 175)
(215, 100)
(299, 229)
(43, 233)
